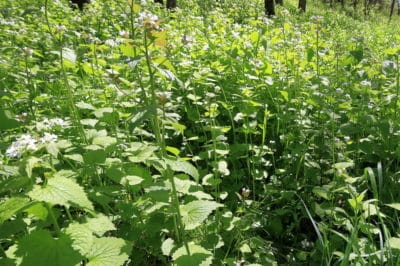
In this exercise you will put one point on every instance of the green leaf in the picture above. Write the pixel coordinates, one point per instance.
(100, 224)
(185, 167)
(6, 121)
(95, 156)
(104, 141)
(167, 246)
(394, 206)
(31, 163)
(196, 212)
(38, 210)
(108, 251)
(74, 157)
(198, 256)
(61, 191)
(81, 236)
(41, 249)
(83, 105)
(131, 180)
(11, 206)
(394, 242)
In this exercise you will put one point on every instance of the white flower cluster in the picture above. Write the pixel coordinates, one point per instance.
(147, 19)
(28, 143)
(50, 123)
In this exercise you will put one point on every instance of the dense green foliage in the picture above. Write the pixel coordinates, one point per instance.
(210, 135)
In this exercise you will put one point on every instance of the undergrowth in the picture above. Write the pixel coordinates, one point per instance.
(208, 135)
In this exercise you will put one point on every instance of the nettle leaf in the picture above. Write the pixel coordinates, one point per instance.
(82, 235)
(185, 167)
(198, 256)
(100, 224)
(196, 212)
(107, 251)
(62, 191)
(95, 154)
(104, 141)
(41, 249)
(11, 206)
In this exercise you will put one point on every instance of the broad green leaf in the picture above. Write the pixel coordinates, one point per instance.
(196, 212)
(108, 251)
(83, 105)
(31, 163)
(104, 141)
(100, 225)
(41, 249)
(131, 180)
(7, 121)
(167, 246)
(61, 191)
(74, 157)
(81, 236)
(11, 206)
(254, 37)
(127, 49)
(198, 256)
(394, 242)
(95, 156)
(38, 210)
(185, 167)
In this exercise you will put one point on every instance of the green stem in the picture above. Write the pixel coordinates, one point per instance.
(53, 218)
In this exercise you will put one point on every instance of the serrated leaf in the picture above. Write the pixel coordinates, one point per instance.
(100, 224)
(81, 236)
(31, 163)
(196, 212)
(198, 256)
(131, 180)
(104, 141)
(185, 167)
(108, 251)
(11, 206)
(167, 246)
(61, 191)
(74, 157)
(41, 249)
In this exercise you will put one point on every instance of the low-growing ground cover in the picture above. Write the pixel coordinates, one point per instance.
(211, 135)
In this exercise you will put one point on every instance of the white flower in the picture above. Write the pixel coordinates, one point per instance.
(48, 138)
(58, 122)
(238, 117)
(23, 143)
(111, 43)
(124, 33)
(147, 19)
(366, 83)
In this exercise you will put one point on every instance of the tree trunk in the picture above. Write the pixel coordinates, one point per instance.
(392, 9)
(279, 2)
(171, 4)
(302, 5)
(159, 1)
(269, 7)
